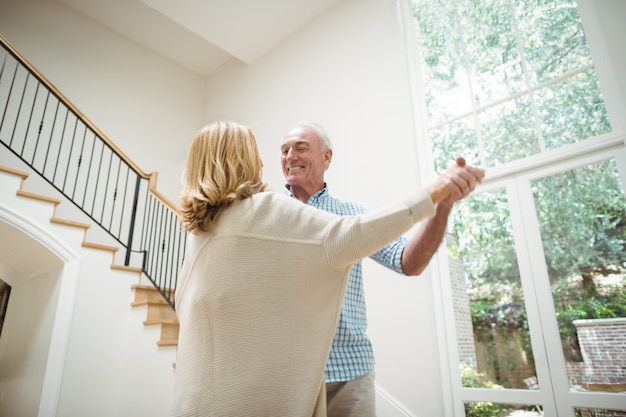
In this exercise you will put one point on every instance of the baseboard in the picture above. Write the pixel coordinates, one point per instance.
(387, 406)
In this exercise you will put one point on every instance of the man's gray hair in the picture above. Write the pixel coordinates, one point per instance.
(319, 131)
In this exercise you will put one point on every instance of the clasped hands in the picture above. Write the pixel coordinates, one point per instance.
(456, 183)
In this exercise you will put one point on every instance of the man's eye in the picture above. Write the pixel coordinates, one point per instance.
(301, 149)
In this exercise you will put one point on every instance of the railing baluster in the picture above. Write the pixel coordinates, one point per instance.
(19, 108)
(4, 61)
(43, 115)
(106, 187)
(69, 155)
(79, 162)
(6, 108)
(98, 172)
(157, 241)
(125, 194)
(54, 122)
(88, 171)
(115, 189)
(30, 119)
(56, 162)
(133, 215)
(168, 247)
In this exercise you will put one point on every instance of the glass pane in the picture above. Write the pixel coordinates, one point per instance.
(489, 409)
(445, 75)
(508, 131)
(552, 38)
(492, 329)
(582, 217)
(586, 114)
(490, 50)
(455, 139)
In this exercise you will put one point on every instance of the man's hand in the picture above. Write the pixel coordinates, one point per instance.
(456, 183)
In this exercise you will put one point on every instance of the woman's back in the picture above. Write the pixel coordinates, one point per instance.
(258, 301)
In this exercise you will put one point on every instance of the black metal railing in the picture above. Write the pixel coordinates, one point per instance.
(42, 128)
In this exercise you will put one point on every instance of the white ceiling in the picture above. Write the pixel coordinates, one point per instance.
(203, 34)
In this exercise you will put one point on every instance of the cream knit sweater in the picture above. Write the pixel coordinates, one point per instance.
(259, 298)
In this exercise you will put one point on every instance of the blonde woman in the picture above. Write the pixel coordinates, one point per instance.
(262, 283)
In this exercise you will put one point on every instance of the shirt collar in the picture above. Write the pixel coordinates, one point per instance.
(320, 195)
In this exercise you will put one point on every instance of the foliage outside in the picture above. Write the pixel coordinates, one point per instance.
(506, 80)
(473, 379)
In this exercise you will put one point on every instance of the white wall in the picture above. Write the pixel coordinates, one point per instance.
(147, 105)
(26, 336)
(347, 70)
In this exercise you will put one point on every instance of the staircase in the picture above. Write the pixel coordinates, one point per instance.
(159, 312)
(113, 340)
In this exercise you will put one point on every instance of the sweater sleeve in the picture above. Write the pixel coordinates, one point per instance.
(351, 238)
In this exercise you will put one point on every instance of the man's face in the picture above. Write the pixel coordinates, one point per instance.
(302, 159)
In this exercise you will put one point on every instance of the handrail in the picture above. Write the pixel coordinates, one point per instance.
(47, 132)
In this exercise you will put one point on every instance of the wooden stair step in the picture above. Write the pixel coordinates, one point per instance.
(160, 312)
(14, 171)
(172, 342)
(169, 331)
(71, 223)
(126, 268)
(162, 322)
(139, 303)
(39, 197)
(149, 293)
(100, 247)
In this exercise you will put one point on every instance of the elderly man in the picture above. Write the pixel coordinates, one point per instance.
(306, 155)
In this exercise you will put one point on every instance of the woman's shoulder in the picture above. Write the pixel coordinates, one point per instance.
(273, 197)
(287, 207)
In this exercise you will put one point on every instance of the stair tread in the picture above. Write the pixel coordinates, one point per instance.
(161, 321)
(126, 268)
(72, 223)
(148, 287)
(14, 171)
(149, 302)
(172, 342)
(40, 197)
(100, 246)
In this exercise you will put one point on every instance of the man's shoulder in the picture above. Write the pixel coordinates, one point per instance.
(343, 207)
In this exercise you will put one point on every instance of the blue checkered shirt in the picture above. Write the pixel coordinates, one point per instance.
(351, 355)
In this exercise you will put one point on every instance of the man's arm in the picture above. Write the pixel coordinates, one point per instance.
(422, 246)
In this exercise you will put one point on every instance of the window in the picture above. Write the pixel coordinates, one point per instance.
(537, 257)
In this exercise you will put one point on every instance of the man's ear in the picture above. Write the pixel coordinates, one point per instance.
(328, 157)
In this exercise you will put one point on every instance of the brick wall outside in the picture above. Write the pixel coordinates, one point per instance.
(462, 315)
(603, 348)
(602, 343)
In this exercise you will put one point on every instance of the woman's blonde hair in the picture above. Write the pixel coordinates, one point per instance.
(223, 166)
